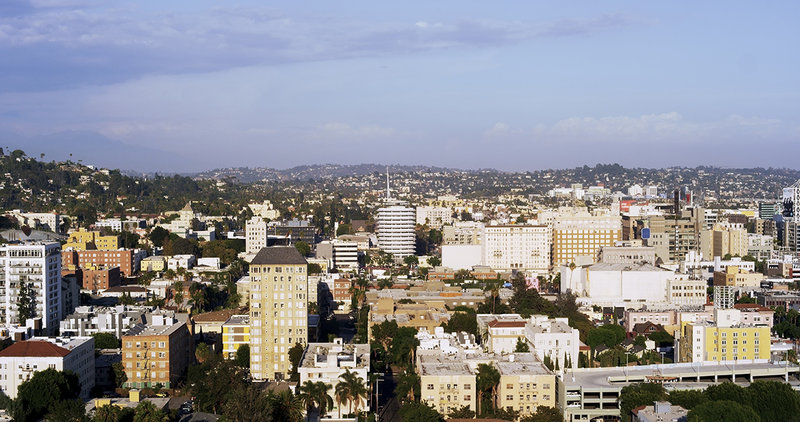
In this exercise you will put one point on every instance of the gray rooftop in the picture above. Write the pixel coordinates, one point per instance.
(279, 255)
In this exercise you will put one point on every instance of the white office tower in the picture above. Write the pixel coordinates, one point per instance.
(394, 225)
(34, 269)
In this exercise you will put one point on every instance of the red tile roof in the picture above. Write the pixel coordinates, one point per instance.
(34, 348)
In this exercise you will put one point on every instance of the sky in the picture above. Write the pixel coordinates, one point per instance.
(514, 85)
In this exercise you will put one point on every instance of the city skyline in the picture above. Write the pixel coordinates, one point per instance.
(192, 86)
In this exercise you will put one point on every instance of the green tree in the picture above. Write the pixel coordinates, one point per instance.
(38, 395)
(462, 413)
(723, 411)
(434, 261)
(111, 413)
(146, 411)
(352, 389)
(286, 406)
(303, 248)
(158, 236)
(105, 341)
(688, 399)
(248, 404)
(774, 401)
(315, 395)
(407, 388)
(462, 321)
(486, 382)
(202, 352)
(215, 383)
(522, 346)
(68, 411)
(544, 414)
(314, 268)
(295, 355)
(25, 303)
(243, 356)
(419, 412)
(120, 377)
(411, 260)
(635, 395)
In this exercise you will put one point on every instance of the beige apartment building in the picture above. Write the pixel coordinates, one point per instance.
(579, 233)
(278, 310)
(524, 386)
(723, 239)
(448, 386)
(517, 247)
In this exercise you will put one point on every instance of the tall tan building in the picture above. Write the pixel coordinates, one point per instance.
(579, 233)
(278, 310)
(722, 239)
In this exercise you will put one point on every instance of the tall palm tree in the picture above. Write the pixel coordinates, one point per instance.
(352, 389)
(286, 406)
(486, 380)
(315, 394)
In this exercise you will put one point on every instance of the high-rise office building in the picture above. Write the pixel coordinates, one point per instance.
(394, 225)
(278, 310)
(35, 269)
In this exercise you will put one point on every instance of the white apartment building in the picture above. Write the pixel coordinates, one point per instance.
(89, 320)
(434, 217)
(181, 261)
(760, 246)
(38, 220)
(38, 266)
(22, 359)
(345, 255)
(394, 225)
(255, 235)
(264, 210)
(325, 362)
(463, 233)
(517, 247)
(547, 337)
(686, 292)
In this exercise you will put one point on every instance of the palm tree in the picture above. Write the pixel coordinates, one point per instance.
(315, 394)
(351, 389)
(487, 379)
(286, 407)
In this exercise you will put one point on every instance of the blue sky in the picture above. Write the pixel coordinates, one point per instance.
(515, 85)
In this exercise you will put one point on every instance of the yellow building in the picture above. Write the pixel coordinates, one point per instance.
(154, 264)
(727, 338)
(278, 310)
(448, 386)
(235, 333)
(735, 276)
(723, 239)
(583, 234)
(82, 240)
(427, 315)
(524, 386)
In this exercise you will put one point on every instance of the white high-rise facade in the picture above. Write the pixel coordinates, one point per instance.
(394, 225)
(37, 265)
(517, 247)
(255, 235)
